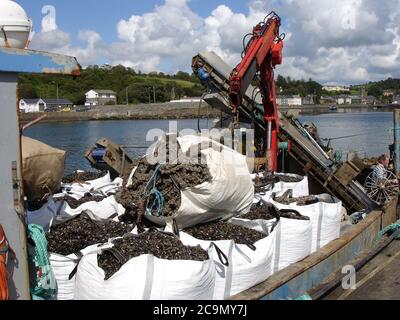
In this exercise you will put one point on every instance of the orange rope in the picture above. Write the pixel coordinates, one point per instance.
(3, 267)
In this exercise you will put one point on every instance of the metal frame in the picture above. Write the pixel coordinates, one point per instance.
(12, 215)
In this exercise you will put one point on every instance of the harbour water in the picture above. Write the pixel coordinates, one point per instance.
(374, 132)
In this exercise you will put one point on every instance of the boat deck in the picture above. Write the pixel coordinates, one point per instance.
(377, 280)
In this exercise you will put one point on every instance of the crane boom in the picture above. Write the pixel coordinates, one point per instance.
(262, 53)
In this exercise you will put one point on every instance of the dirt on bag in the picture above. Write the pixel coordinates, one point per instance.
(81, 232)
(82, 177)
(216, 231)
(269, 212)
(159, 244)
(300, 201)
(74, 203)
(170, 180)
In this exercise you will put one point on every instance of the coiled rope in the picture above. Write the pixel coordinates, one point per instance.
(390, 230)
(151, 190)
(304, 297)
(45, 283)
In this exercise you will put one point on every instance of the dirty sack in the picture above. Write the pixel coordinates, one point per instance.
(230, 193)
(288, 181)
(43, 168)
(146, 277)
(65, 266)
(102, 186)
(325, 216)
(239, 267)
(56, 206)
(294, 235)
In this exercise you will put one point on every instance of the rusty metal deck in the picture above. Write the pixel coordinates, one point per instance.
(378, 280)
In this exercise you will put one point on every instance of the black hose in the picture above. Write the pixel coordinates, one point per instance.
(198, 114)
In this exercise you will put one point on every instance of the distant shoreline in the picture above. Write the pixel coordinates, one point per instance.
(166, 111)
(173, 111)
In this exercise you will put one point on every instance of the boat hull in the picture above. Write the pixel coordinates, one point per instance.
(294, 281)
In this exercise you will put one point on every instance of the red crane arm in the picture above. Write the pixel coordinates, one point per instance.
(261, 55)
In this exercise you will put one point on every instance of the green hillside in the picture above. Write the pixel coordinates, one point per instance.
(118, 78)
(377, 88)
(140, 86)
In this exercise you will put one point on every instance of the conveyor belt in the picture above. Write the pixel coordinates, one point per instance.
(305, 150)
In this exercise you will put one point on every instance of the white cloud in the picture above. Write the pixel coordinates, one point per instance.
(343, 41)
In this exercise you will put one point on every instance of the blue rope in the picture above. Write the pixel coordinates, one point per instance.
(158, 202)
(392, 228)
(304, 297)
(45, 286)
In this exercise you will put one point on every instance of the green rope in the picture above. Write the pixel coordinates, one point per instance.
(45, 282)
(392, 229)
(158, 202)
(304, 297)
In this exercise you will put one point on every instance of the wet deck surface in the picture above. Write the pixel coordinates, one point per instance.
(378, 280)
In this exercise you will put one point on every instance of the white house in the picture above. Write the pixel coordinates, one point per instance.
(330, 88)
(343, 99)
(43, 105)
(100, 97)
(31, 105)
(187, 100)
(289, 101)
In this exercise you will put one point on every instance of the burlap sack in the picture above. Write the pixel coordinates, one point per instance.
(43, 168)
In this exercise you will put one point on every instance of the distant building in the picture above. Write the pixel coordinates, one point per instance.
(43, 105)
(329, 88)
(100, 97)
(289, 101)
(328, 100)
(371, 100)
(308, 100)
(106, 66)
(388, 93)
(343, 99)
(187, 100)
(348, 99)
(356, 99)
(396, 99)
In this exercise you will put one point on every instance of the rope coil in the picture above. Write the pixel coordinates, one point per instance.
(151, 190)
(45, 283)
(390, 230)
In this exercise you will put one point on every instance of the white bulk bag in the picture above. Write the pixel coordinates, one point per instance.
(230, 193)
(102, 210)
(63, 266)
(326, 217)
(102, 186)
(300, 189)
(146, 278)
(45, 215)
(293, 239)
(246, 268)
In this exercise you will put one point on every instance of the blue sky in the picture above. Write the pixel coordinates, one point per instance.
(103, 15)
(331, 41)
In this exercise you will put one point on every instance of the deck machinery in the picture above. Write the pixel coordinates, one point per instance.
(306, 156)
